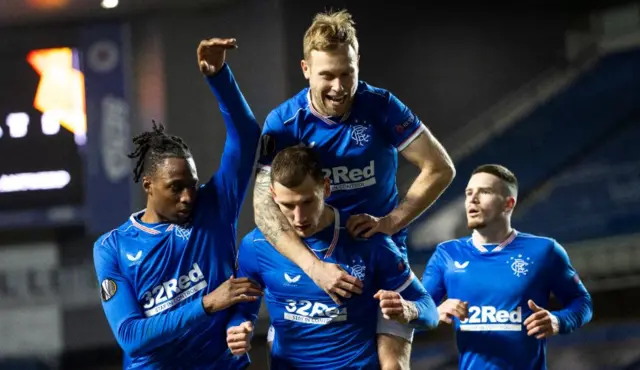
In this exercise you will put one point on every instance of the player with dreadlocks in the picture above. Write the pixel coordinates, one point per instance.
(166, 275)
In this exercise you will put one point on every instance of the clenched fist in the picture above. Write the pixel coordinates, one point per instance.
(453, 308)
(239, 338)
(211, 54)
(395, 308)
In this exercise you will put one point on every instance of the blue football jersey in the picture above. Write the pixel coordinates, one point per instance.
(498, 281)
(311, 331)
(358, 152)
(153, 276)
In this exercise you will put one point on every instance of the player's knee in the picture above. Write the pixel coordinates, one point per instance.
(393, 352)
(391, 365)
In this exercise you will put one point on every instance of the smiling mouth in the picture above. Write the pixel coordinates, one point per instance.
(338, 100)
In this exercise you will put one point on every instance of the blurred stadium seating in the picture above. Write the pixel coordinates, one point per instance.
(590, 125)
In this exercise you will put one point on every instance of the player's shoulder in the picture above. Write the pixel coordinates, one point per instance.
(543, 245)
(538, 241)
(254, 236)
(113, 240)
(287, 111)
(256, 240)
(372, 93)
(453, 244)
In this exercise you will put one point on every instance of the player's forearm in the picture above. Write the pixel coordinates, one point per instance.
(276, 228)
(424, 311)
(576, 314)
(244, 312)
(422, 193)
(138, 337)
(240, 122)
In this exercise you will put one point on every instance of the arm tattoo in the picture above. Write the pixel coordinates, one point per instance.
(267, 215)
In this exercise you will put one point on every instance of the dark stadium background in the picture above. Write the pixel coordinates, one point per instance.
(550, 89)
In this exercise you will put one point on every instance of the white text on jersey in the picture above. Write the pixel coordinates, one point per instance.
(343, 178)
(489, 318)
(173, 291)
(317, 313)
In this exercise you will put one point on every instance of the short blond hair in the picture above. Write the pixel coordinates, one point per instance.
(328, 31)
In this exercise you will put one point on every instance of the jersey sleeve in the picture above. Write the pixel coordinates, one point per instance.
(394, 274)
(401, 125)
(136, 334)
(568, 288)
(433, 277)
(248, 266)
(275, 137)
(231, 180)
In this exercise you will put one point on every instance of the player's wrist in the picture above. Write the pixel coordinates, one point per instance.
(555, 324)
(209, 304)
(411, 310)
(392, 223)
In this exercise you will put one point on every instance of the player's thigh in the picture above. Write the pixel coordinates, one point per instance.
(394, 352)
(394, 344)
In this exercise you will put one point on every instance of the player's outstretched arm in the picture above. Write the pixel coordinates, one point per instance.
(243, 131)
(402, 296)
(331, 278)
(138, 332)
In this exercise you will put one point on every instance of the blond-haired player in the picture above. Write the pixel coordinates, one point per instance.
(358, 131)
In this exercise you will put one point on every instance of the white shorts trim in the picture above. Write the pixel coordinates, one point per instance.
(271, 333)
(391, 327)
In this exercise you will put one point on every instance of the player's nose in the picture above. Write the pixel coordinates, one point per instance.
(187, 197)
(299, 217)
(337, 85)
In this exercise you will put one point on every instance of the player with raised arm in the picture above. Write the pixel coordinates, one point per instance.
(166, 274)
(499, 280)
(358, 131)
(311, 331)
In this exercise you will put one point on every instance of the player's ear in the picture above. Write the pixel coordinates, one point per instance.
(511, 203)
(272, 191)
(146, 184)
(327, 187)
(306, 71)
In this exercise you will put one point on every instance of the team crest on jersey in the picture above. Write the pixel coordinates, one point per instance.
(360, 134)
(358, 269)
(108, 289)
(182, 232)
(520, 265)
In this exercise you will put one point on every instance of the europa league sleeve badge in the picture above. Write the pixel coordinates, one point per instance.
(108, 289)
